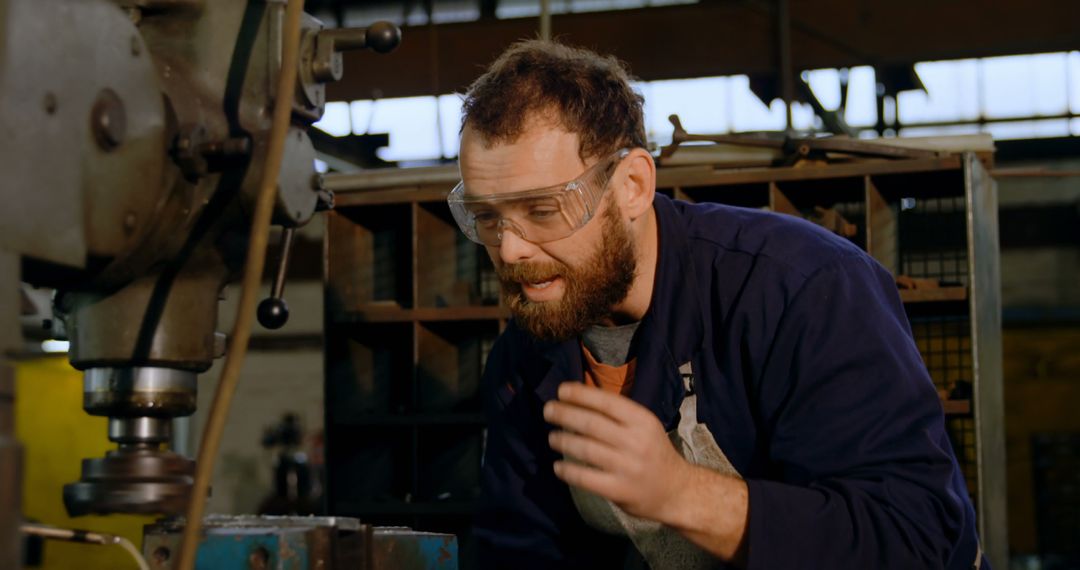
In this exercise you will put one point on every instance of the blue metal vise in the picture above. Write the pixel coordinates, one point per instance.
(300, 543)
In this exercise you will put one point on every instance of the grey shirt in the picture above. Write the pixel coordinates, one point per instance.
(610, 345)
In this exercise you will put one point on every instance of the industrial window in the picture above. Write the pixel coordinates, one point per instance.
(1014, 97)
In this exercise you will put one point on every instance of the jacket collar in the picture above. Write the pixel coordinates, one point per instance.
(670, 334)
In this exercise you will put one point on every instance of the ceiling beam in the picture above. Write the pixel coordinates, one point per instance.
(724, 37)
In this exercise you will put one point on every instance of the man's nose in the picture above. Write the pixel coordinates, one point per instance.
(512, 247)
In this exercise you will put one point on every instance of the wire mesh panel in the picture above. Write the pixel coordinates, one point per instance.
(933, 246)
(933, 239)
(945, 344)
(1056, 461)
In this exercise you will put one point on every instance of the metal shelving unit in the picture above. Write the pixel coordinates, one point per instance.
(411, 312)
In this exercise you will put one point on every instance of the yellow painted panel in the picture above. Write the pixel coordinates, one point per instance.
(56, 434)
(1041, 369)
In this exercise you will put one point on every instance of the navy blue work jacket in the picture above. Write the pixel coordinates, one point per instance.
(806, 375)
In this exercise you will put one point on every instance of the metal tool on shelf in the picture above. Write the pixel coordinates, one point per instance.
(790, 149)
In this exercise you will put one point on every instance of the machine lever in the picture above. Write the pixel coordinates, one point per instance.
(273, 312)
(382, 37)
(326, 63)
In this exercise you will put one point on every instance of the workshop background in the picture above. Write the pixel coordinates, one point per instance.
(872, 70)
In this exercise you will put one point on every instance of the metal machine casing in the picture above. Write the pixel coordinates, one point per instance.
(133, 144)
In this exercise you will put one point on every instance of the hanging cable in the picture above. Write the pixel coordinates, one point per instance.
(85, 537)
(253, 270)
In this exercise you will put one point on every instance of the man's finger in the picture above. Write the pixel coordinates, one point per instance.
(583, 420)
(586, 450)
(589, 479)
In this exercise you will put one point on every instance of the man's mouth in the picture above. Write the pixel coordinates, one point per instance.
(545, 290)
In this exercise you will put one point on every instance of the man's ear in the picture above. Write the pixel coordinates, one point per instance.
(640, 183)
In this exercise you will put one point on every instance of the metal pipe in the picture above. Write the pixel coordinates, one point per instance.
(378, 179)
(86, 537)
(545, 20)
(287, 235)
(783, 47)
(70, 535)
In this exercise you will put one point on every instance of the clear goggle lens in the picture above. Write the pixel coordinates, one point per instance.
(539, 215)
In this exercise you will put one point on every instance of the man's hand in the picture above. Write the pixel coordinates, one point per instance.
(628, 458)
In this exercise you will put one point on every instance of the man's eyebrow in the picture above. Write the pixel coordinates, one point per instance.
(549, 194)
(538, 200)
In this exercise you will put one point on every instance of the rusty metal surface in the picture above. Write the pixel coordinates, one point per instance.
(300, 543)
(281, 543)
(406, 549)
(261, 521)
(254, 549)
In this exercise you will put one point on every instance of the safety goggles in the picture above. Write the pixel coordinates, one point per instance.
(539, 215)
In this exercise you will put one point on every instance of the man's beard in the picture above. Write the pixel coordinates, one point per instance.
(590, 291)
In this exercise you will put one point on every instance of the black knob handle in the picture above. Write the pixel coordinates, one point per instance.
(273, 312)
(383, 37)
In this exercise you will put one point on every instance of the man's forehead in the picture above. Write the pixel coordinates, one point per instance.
(534, 121)
(544, 155)
(536, 133)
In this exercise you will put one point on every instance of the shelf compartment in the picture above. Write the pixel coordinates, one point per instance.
(456, 272)
(372, 465)
(838, 204)
(882, 232)
(751, 195)
(933, 239)
(451, 355)
(448, 463)
(370, 258)
(931, 184)
(369, 370)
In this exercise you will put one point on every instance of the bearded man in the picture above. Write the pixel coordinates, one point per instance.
(684, 386)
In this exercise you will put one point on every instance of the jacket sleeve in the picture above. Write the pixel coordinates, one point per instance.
(867, 477)
(526, 517)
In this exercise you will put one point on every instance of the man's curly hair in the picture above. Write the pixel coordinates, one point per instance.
(585, 93)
